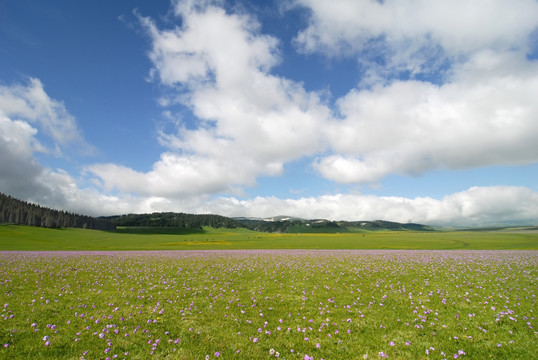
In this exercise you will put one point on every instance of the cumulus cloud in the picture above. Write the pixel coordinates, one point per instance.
(21, 174)
(248, 123)
(410, 33)
(31, 124)
(24, 110)
(30, 103)
(174, 176)
(479, 111)
(485, 116)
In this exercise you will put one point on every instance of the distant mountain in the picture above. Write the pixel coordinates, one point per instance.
(288, 224)
(283, 218)
(386, 225)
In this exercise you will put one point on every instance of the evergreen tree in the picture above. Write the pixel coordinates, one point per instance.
(14, 211)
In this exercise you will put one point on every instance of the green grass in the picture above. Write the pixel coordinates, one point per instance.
(15, 237)
(241, 304)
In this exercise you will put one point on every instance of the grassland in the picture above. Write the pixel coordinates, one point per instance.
(24, 238)
(78, 294)
(263, 304)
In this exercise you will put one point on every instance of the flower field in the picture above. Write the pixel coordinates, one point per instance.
(264, 304)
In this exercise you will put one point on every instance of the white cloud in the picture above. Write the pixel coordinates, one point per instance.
(22, 176)
(173, 176)
(408, 30)
(248, 122)
(17, 144)
(483, 114)
(24, 110)
(486, 116)
(31, 122)
(30, 103)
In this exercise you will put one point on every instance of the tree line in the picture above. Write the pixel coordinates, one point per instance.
(18, 212)
(278, 226)
(176, 220)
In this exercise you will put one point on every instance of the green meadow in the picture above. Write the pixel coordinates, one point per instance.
(76, 294)
(25, 238)
(265, 304)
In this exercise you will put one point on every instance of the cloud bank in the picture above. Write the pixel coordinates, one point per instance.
(475, 206)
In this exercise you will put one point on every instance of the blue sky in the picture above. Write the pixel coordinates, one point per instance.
(359, 110)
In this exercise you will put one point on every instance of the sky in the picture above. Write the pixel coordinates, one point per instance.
(411, 110)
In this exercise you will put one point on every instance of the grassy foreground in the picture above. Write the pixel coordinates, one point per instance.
(290, 304)
(15, 237)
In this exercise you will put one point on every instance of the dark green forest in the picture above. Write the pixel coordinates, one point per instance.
(14, 211)
(173, 220)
